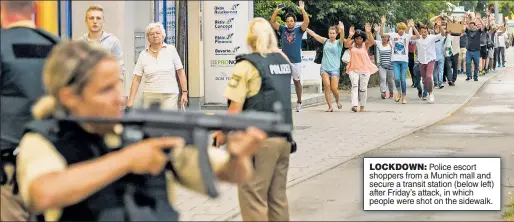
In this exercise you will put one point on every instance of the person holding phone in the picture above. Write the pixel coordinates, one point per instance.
(291, 37)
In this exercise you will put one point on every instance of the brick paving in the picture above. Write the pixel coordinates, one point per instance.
(326, 140)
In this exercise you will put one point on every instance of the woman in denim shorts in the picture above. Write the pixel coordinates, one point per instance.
(331, 62)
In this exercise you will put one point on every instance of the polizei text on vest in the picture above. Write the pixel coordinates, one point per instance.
(280, 69)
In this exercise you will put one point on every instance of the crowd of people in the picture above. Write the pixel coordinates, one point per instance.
(432, 54)
(47, 163)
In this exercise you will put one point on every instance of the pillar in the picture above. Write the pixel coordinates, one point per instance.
(195, 54)
(47, 17)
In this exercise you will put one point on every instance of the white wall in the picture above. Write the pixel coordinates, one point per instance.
(122, 19)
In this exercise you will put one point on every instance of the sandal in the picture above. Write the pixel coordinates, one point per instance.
(330, 110)
(339, 105)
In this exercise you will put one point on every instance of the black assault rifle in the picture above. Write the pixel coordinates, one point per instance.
(194, 127)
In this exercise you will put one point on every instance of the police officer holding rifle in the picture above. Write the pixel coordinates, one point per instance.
(77, 171)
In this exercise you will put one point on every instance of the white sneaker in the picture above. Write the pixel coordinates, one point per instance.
(298, 107)
(431, 98)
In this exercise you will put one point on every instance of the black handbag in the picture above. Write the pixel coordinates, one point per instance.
(319, 54)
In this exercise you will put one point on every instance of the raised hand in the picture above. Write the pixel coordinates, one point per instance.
(341, 25)
(411, 23)
(301, 5)
(367, 28)
(280, 6)
(351, 32)
(383, 20)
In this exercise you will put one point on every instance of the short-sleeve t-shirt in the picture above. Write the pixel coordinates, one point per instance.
(331, 56)
(400, 47)
(292, 43)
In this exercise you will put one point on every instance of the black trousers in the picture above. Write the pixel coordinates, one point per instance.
(451, 68)
(411, 68)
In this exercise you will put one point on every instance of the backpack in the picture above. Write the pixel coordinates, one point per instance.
(319, 53)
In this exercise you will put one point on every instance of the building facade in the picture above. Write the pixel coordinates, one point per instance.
(207, 34)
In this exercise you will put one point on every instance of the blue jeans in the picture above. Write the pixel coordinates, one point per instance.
(438, 72)
(475, 56)
(400, 74)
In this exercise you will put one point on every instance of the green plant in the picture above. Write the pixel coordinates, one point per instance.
(508, 214)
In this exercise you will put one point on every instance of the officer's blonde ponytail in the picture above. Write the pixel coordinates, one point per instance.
(68, 65)
(261, 37)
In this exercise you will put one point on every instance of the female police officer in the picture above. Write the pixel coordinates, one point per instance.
(260, 81)
(65, 170)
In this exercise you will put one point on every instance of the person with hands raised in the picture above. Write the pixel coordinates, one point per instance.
(360, 67)
(385, 50)
(427, 56)
(291, 37)
(330, 63)
(400, 57)
(70, 171)
(473, 33)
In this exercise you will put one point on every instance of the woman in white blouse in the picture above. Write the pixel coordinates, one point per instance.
(159, 63)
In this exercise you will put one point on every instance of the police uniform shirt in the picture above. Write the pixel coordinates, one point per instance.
(244, 83)
(38, 157)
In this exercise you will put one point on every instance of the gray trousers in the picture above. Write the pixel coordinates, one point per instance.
(386, 79)
(500, 56)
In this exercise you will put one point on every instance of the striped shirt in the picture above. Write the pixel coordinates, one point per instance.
(385, 56)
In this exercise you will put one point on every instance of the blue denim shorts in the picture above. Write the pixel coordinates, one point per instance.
(330, 74)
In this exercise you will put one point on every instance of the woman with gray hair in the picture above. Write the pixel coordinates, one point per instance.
(160, 64)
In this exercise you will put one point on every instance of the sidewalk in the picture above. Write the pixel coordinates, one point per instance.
(326, 140)
(481, 128)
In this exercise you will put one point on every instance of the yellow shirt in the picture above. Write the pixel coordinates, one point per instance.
(37, 157)
(245, 82)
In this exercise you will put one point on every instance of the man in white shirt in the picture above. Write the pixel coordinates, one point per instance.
(451, 54)
(426, 58)
(440, 59)
(453, 51)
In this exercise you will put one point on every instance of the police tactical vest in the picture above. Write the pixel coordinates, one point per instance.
(23, 54)
(275, 72)
(131, 198)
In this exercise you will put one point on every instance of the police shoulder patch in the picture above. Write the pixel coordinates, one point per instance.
(234, 81)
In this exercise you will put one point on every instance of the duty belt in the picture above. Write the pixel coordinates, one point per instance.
(8, 157)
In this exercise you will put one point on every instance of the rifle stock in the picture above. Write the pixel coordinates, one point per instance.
(193, 126)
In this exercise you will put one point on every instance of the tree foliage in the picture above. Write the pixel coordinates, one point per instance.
(325, 13)
(505, 7)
